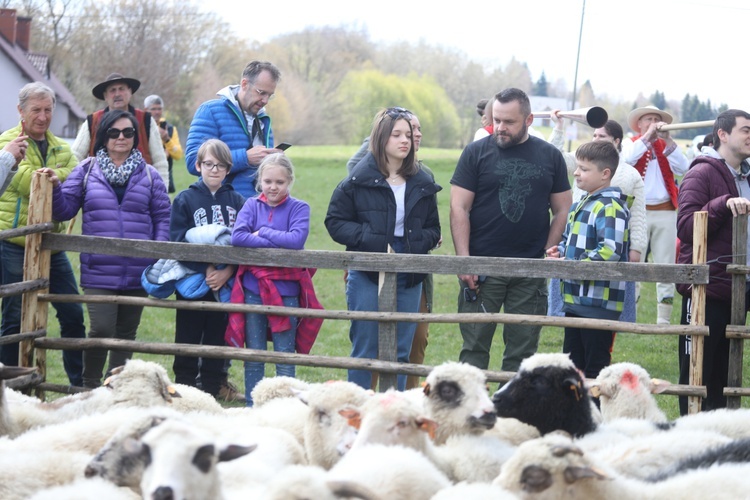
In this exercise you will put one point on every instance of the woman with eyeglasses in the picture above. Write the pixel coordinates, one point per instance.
(122, 197)
(386, 201)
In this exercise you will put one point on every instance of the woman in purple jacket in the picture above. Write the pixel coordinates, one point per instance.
(272, 219)
(121, 197)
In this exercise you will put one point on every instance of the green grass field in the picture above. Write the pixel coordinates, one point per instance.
(318, 170)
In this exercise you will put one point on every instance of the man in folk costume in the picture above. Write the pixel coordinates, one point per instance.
(117, 92)
(658, 159)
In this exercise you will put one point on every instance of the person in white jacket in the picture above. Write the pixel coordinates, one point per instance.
(656, 156)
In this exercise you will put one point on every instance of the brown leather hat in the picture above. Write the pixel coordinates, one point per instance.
(98, 91)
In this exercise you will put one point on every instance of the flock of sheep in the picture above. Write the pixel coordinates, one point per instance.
(539, 436)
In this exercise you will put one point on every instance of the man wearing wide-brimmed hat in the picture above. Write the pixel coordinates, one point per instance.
(117, 90)
(658, 159)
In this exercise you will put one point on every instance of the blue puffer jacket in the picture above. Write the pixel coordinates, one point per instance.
(223, 119)
(142, 215)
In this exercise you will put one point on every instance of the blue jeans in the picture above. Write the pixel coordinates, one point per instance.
(70, 316)
(362, 295)
(256, 337)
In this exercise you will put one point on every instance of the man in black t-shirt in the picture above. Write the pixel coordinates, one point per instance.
(502, 192)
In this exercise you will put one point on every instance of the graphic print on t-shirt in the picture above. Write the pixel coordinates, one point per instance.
(514, 186)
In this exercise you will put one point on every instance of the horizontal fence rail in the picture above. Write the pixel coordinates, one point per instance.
(380, 262)
(517, 319)
(7, 234)
(242, 354)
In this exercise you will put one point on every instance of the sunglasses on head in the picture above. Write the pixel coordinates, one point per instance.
(398, 112)
(114, 133)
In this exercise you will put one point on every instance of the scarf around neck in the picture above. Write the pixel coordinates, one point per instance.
(118, 176)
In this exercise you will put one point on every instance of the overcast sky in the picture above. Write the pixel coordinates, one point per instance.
(698, 47)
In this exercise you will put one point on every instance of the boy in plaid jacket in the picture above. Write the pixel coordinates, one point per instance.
(597, 230)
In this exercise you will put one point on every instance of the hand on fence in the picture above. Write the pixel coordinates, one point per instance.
(738, 206)
(51, 174)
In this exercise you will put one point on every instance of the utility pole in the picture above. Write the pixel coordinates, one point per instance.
(575, 77)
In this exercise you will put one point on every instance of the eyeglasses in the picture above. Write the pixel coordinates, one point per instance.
(214, 166)
(399, 112)
(114, 133)
(265, 95)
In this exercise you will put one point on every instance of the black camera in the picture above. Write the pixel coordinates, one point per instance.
(470, 295)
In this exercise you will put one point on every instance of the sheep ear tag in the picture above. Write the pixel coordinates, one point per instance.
(575, 386)
(595, 391)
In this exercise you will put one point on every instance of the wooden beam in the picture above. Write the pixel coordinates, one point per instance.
(381, 262)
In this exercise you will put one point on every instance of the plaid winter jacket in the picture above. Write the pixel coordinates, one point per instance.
(597, 230)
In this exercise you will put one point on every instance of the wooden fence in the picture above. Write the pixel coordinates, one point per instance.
(40, 243)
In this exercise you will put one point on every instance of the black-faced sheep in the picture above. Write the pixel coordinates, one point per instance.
(548, 392)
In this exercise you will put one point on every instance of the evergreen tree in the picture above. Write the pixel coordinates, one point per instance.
(540, 88)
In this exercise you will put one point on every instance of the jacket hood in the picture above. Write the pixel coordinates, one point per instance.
(230, 93)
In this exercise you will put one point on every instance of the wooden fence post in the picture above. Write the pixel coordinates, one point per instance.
(36, 266)
(739, 282)
(698, 308)
(387, 333)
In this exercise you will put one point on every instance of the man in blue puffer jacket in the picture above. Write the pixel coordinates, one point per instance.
(239, 119)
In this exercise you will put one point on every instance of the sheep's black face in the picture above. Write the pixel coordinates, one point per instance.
(549, 398)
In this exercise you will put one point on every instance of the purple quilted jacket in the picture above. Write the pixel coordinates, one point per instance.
(142, 215)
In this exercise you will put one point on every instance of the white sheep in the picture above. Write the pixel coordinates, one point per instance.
(474, 491)
(625, 391)
(393, 472)
(137, 384)
(87, 434)
(512, 431)
(472, 458)
(180, 462)
(303, 482)
(287, 414)
(87, 489)
(456, 397)
(23, 473)
(552, 467)
(324, 426)
(8, 426)
(393, 418)
(642, 457)
(193, 399)
(732, 423)
(276, 387)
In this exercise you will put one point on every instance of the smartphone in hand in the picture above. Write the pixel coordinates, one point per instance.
(283, 146)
